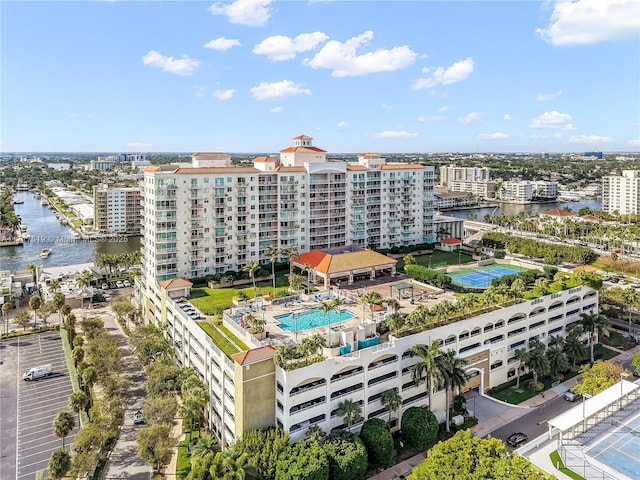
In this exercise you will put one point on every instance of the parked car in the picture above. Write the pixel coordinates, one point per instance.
(138, 417)
(106, 297)
(517, 439)
(105, 286)
(119, 284)
(127, 283)
(571, 395)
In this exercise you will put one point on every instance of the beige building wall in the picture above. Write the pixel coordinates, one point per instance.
(255, 395)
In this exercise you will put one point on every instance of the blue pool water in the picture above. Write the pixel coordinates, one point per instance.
(312, 318)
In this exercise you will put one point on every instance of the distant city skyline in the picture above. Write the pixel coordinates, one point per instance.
(391, 77)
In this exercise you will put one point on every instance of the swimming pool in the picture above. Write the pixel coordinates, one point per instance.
(311, 318)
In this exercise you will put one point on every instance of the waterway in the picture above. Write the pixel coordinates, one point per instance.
(514, 209)
(47, 232)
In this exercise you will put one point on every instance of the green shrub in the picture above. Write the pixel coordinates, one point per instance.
(377, 440)
(347, 456)
(302, 461)
(419, 427)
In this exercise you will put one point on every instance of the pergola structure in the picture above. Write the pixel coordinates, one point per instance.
(592, 418)
(401, 287)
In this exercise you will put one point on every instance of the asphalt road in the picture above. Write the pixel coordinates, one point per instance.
(534, 423)
(28, 408)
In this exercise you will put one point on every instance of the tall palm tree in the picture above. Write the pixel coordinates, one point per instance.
(574, 348)
(54, 285)
(350, 411)
(35, 303)
(391, 400)
(58, 303)
(78, 401)
(522, 355)
(326, 307)
(83, 280)
(453, 376)
(6, 308)
(63, 424)
(370, 299)
(308, 268)
(251, 269)
(427, 366)
(594, 325)
(558, 360)
(273, 253)
(632, 299)
(395, 322)
(537, 361)
(290, 252)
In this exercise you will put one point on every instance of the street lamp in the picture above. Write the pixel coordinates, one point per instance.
(585, 397)
(623, 375)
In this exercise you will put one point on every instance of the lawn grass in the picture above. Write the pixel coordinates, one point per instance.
(439, 258)
(233, 338)
(557, 462)
(219, 339)
(183, 462)
(73, 373)
(516, 396)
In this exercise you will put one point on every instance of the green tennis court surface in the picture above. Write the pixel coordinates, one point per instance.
(481, 277)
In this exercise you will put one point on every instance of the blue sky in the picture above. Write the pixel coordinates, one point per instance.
(385, 76)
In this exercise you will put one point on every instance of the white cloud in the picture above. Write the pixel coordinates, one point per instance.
(343, 124)
(138, 145)
(570, 126)
(634, 143)
(457, 72)
(444, 108)
(201, 91)
(493, 136)
(433, 118)
(394, 134)
(386, 106)
(343, 59)
(584, 22)
(545, 97)
(507, 116)
(224, 94)
(471, 117)
(550, 119)
(590, 139)
(280, 47)
(181, 66)
(278, 90)
(276, 109)
(252, 13)
(222, 44)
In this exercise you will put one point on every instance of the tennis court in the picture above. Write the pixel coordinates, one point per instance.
(481, 277)
(619, 450)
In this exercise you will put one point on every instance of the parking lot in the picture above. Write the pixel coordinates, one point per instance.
(28, 408)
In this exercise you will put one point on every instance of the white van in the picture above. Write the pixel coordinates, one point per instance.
(38, 372)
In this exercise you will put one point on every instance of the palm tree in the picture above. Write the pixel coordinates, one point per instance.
(54, 285)
(391, 400)
(35, 303)
(58, 303)
(522, 355)
(89, 377)
(393, 304)
(78, 401)
(427, 366)
(453, 376)
(229, 465)
(273, 253)
(290, 252)
(204, 446)
(395, 322)
(326, 307)
(632, 299)
(251, 269)
(537, 361)
(63, 424)
(6, 307)
(558, 360)
(370, 299)
(83, 280)
(573, 348)
(308, 268)
(350, 411)
(594, 325)
(517, 287)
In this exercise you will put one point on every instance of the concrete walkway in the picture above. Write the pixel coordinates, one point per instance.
(124, 463)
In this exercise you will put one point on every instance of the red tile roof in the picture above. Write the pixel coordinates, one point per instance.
(356, 167)
(302, 149)
(556, 212)
(302, 137)
(254, 356)
(591, 218)
(451, 241)
(175, 283)
(343, 262)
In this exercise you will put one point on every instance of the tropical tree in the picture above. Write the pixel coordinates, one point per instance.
(558, 360)
(230, 465)
(83, 281)
(391, 400)
(395, 322)
(205, 445)
(59, 464)
(63, 424)
(632, 299)
(392, 304)
(273, 253)
(594, 325)
(290, 252)
(350, 411)
(251, 269)
(370, 299)
(308, 268)
(58, 302)
(426, 366)
(54, 285)
(537, 362)
(452, 375)
(78, 401)
(574, 348)
(35, 303)
(6, 308)
(22, 318)
(523, 356)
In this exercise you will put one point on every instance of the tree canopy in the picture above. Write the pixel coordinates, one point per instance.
(598, 377)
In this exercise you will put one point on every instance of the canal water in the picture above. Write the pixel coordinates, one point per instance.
(47, 232)
(514, 209)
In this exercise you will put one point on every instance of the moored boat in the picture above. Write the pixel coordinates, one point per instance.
(45, 252)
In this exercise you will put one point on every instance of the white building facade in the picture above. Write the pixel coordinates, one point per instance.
(450, 173)
(621, 193)
(116, 209)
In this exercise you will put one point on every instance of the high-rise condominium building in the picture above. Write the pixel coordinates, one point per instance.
(116, 209)
(451, 173)
(211, 216)
(621, 193)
